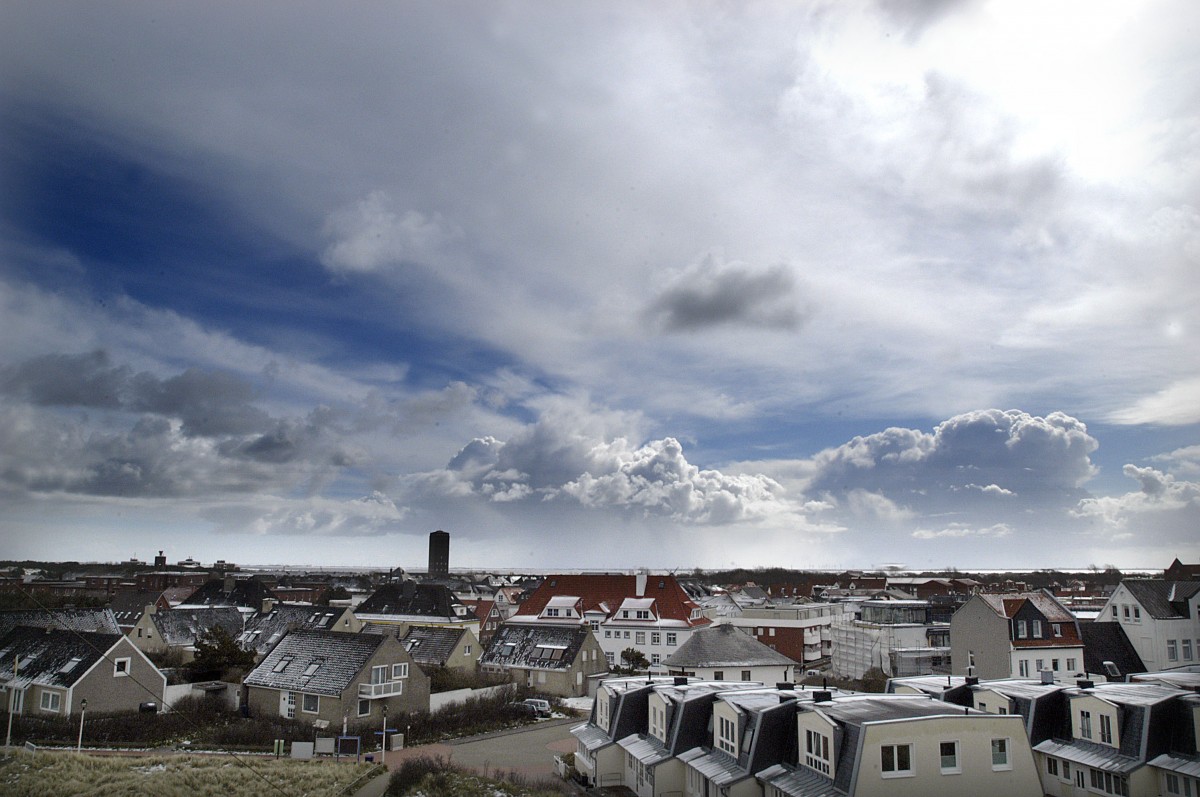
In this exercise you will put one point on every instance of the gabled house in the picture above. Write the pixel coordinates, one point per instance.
(1113, 733)
(56, 670)
(555, 660)
(326, 676)
(618, 710)
(265, 628)
(442, 648)
(404, 604)
(490, 617)
(159, 632)
(1161, 619)
(1015, 635)
(901, 746)
(723, 652)
(650, 613)
(99, 620)
(129, 605)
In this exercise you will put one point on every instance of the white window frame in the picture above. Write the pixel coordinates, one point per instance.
(671, 638)
(400, 671)
(361, 703)
(1002, 745)
(816, 751)
(1085, 724)
(727, 735)
(895, 771)
(121, 667)
(1106, 731)
(655, 638)
(955, 767)
(316, 709)
(1172, 650)
(51, 701)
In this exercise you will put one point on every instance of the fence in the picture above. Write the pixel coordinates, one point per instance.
(440, 700)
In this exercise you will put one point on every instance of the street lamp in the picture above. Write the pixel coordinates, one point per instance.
(383, 739)
(82, 712)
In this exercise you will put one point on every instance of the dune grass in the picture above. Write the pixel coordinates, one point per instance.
(68, 774)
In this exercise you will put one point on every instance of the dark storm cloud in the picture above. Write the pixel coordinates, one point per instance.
(735, 294)
(208, 403)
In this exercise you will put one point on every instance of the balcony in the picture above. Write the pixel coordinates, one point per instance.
(386, 689)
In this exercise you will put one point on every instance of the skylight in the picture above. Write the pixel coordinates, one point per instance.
(70, 665)
(312, 668)
(282, 665)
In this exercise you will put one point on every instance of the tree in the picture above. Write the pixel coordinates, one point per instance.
(217, 653)
(634, 659)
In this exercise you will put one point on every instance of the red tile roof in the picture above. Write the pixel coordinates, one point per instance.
(606, 592)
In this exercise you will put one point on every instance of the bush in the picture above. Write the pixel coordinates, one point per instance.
(446, 679)
(413, 770)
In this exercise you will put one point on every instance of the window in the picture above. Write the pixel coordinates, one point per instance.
(552, 612)
(1085, 724)
(1109, 783)
(466, 651)
(379, 674)
(816, 751)
(610, 658)
(1023, 668)
(281, 665)
(1187, 650)
(1172, 650)
(727, 735)
(120, 668)
(139, 633)
(1054, 664)
(640, 638)
(627, 635)
(1172, 783)
(655, 658)
(718, 675)
(364, 708)
(655, 638)
(1070, 665)
(312, 668)
(671, 637)
(1056, 628)
(745, 675)
(1125, 610)
(642, 614)
(1052, 766)
(896, 760)
(1000, 754)
(1114, 611)
(401, 670)
(1021, 630)
(311, 704)
(949, 757)
(51, 701)
(607, 634)
(982, 706)
(1041, 664)
(1106, 735)
(1066, 768)
(1137, 614)
(1037, 629)
(770, 632)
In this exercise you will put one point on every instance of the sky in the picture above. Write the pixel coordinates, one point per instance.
(601, 285)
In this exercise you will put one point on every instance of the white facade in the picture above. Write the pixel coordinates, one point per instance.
(1162, 643)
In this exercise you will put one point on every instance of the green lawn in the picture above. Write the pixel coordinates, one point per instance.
(69, 775)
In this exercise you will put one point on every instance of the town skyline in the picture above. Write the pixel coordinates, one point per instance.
(823, 285)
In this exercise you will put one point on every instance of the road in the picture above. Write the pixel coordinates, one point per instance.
(527, 751)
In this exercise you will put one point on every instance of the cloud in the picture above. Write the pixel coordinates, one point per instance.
(976, 463)
(714, 294)
(1176, 501)
(552, 461)
(959, 530)
(1178, 404)
(373, 236)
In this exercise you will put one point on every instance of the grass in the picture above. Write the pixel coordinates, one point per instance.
(70, 775)
(437, 777)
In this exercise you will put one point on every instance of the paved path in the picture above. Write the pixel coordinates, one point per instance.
(528, 751)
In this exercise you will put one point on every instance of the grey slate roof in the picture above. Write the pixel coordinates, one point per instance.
(430, 645)
(1162, 600)
(100, 620)
(1092, 754)
(247, 592)
(799, 781)
(432, 601)
(543, 647)
(46, 654)
(127, 605)
(340, 656)
(181, 627)
(1107, 642)
(262, 630)
(725, 646)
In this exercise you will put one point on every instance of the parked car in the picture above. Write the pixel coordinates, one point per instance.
(540, 707)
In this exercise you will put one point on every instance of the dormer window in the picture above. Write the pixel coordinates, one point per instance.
(1022, 631)
(727, 735)
(1037, 629)
(816, 751)
(642, 614)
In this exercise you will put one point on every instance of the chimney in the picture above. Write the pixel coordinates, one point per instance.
(822, 696)
(1047, 676)
(972, 680)
(681, 680)
(785, 686)
(1085, 684)
(267, 605)
(640, 584)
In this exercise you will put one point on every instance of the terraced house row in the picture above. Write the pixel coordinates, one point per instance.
(668, 737)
